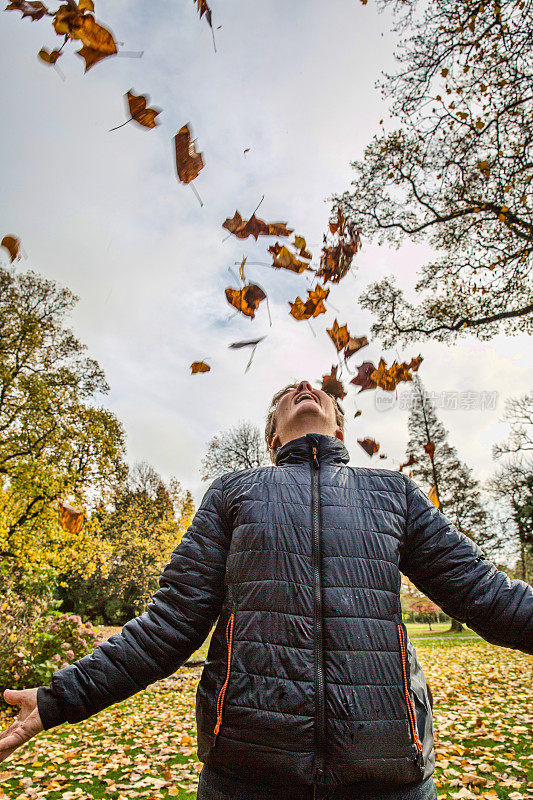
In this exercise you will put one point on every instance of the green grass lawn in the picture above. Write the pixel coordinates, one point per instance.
(145, 747)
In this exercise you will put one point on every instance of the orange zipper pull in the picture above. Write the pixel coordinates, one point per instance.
(220, 700)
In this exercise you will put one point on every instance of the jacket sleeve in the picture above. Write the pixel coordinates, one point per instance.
(154, 644)
(453, 572)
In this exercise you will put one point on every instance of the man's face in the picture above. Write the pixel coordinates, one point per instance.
(304, 410)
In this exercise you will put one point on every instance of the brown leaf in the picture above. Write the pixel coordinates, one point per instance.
(382, 455)
(247, 343)
(430, 449)
(188, 161)
(339, 336)
(363, 379)
(203, 8)
(336, 259)
(415, 363)
(139, 112)
(369, 446)
(354, 344)
(246, 299)
(199, 366)
(255, 227)
(70, 519)
(357, 413)
(49, 56)
(313, 306)
(332, 385)
(30, 8)
(284, 258)
(241, 270)
(388, 378)
(97, 41)
(11, 243)
(410, 461)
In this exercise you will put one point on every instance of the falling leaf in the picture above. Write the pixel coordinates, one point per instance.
(284, 258)
(415, 363)
(188, 161)
(30, 8)
(388, 377)
(139, 112)
(336, 259)
(357, 413)
(199, 366)
(70, 519)
(246, 150)
(49, 56)
(247, 343)
(430, 449)
(241, 270)
(203, 8)
(246, 299)
(338, 335)
(410, 461)
(382, 455)
(432, 494)
(363, 379)
(300, 244)
(355, 343)
(369, 446)
(97, 41)
(332, 385)
(313, 306)
(255, 227)
(11, 243)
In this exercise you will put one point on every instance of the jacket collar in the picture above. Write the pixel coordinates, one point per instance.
(296, 451)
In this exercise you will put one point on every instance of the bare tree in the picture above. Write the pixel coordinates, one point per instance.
(519, 414)
(241, 447)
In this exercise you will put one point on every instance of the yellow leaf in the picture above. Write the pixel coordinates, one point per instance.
(433, 496)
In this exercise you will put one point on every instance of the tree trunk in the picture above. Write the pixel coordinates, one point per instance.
(456, 626)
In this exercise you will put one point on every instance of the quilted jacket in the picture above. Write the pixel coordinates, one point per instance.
(310, 677)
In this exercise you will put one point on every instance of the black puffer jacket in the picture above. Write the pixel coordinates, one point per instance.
(310, 676)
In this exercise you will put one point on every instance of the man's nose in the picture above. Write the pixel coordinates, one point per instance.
(304, 385)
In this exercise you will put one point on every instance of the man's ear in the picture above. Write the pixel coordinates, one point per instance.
(339, 434)
(275, 441)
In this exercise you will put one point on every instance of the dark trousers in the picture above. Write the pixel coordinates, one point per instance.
(213, 785)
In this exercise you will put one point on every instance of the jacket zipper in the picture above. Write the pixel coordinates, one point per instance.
(220, 700)
(410, 709)
(319, 657)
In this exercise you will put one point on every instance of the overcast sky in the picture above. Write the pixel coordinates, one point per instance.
(104, 214)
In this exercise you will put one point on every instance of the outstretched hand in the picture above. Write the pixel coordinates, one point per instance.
(27, 724)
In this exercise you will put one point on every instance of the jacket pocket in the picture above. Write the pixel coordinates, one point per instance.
(409, 703)
(222, 693)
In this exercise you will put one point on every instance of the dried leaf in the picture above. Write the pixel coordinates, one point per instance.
(284, 258)
(363, 379)
(139, 112)
(247, 343)
(199, 366)
(338, 335)
(354, 344)
(241, 270)
(388, 378)
(246, 299)
(30, 8)
(188, 161)
(203, 8)
(70, 519)
(11, 243)
(336, 259)
(49, 56)
(410, 461)
(313, 306)
(357, 413)
(97, 41)
(332, 385)
(369, 446)
(255, 227)
(430, 449)
(432, 494)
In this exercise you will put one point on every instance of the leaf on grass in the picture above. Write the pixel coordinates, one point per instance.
(139, 112)
(246, 299)
(11, 243)
(338, 335)
(363, 379)
(188, 161)
(369, 446)
(70, 519)
(255, 227)
(332, 385)
(30, 8)
(313, 306)
(199, 366)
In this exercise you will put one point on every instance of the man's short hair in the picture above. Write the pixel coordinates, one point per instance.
(271, 416)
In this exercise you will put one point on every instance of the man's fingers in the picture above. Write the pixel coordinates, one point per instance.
(14, 696)
(8, 730)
